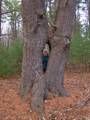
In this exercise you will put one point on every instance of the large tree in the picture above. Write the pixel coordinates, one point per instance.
(35, 26)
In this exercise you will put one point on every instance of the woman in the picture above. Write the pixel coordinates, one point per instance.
(45, 57)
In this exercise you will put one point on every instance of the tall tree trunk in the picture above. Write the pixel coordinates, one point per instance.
(60, 47)
(14, 30)
(35, 35)
(0, 18)
(50, 9)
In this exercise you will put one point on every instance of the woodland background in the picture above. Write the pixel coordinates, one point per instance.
(12, 42)
(77, 72)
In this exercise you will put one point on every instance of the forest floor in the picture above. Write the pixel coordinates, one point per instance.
(74, 107)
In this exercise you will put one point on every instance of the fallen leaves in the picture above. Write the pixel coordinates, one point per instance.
(56, 108)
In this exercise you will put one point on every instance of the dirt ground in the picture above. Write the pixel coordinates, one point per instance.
(74, 107)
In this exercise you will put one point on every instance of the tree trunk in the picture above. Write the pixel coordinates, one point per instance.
(60, 47)
(14, 30)
(50, 9)
(89, 11)
(35, 35)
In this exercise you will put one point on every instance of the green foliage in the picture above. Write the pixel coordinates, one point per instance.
(14, 8)
(10, 59)
(80, 48)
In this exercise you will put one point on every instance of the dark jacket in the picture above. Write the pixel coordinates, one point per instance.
(45, 62)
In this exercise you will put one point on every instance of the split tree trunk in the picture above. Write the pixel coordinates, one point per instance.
(35, 35)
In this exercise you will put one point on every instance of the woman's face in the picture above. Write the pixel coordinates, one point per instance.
(45, 53)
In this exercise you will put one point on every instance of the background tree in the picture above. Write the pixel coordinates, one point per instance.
(0, 18)
(11, 10)
(89, 11)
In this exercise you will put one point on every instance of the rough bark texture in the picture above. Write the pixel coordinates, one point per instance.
(58, 57)
(35, 35)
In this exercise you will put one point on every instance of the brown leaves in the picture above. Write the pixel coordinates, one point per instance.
(56, 108)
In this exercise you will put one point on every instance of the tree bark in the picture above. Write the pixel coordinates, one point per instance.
(59, 54)
(35, 28)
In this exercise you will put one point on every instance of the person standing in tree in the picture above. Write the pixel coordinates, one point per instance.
(45, 57)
